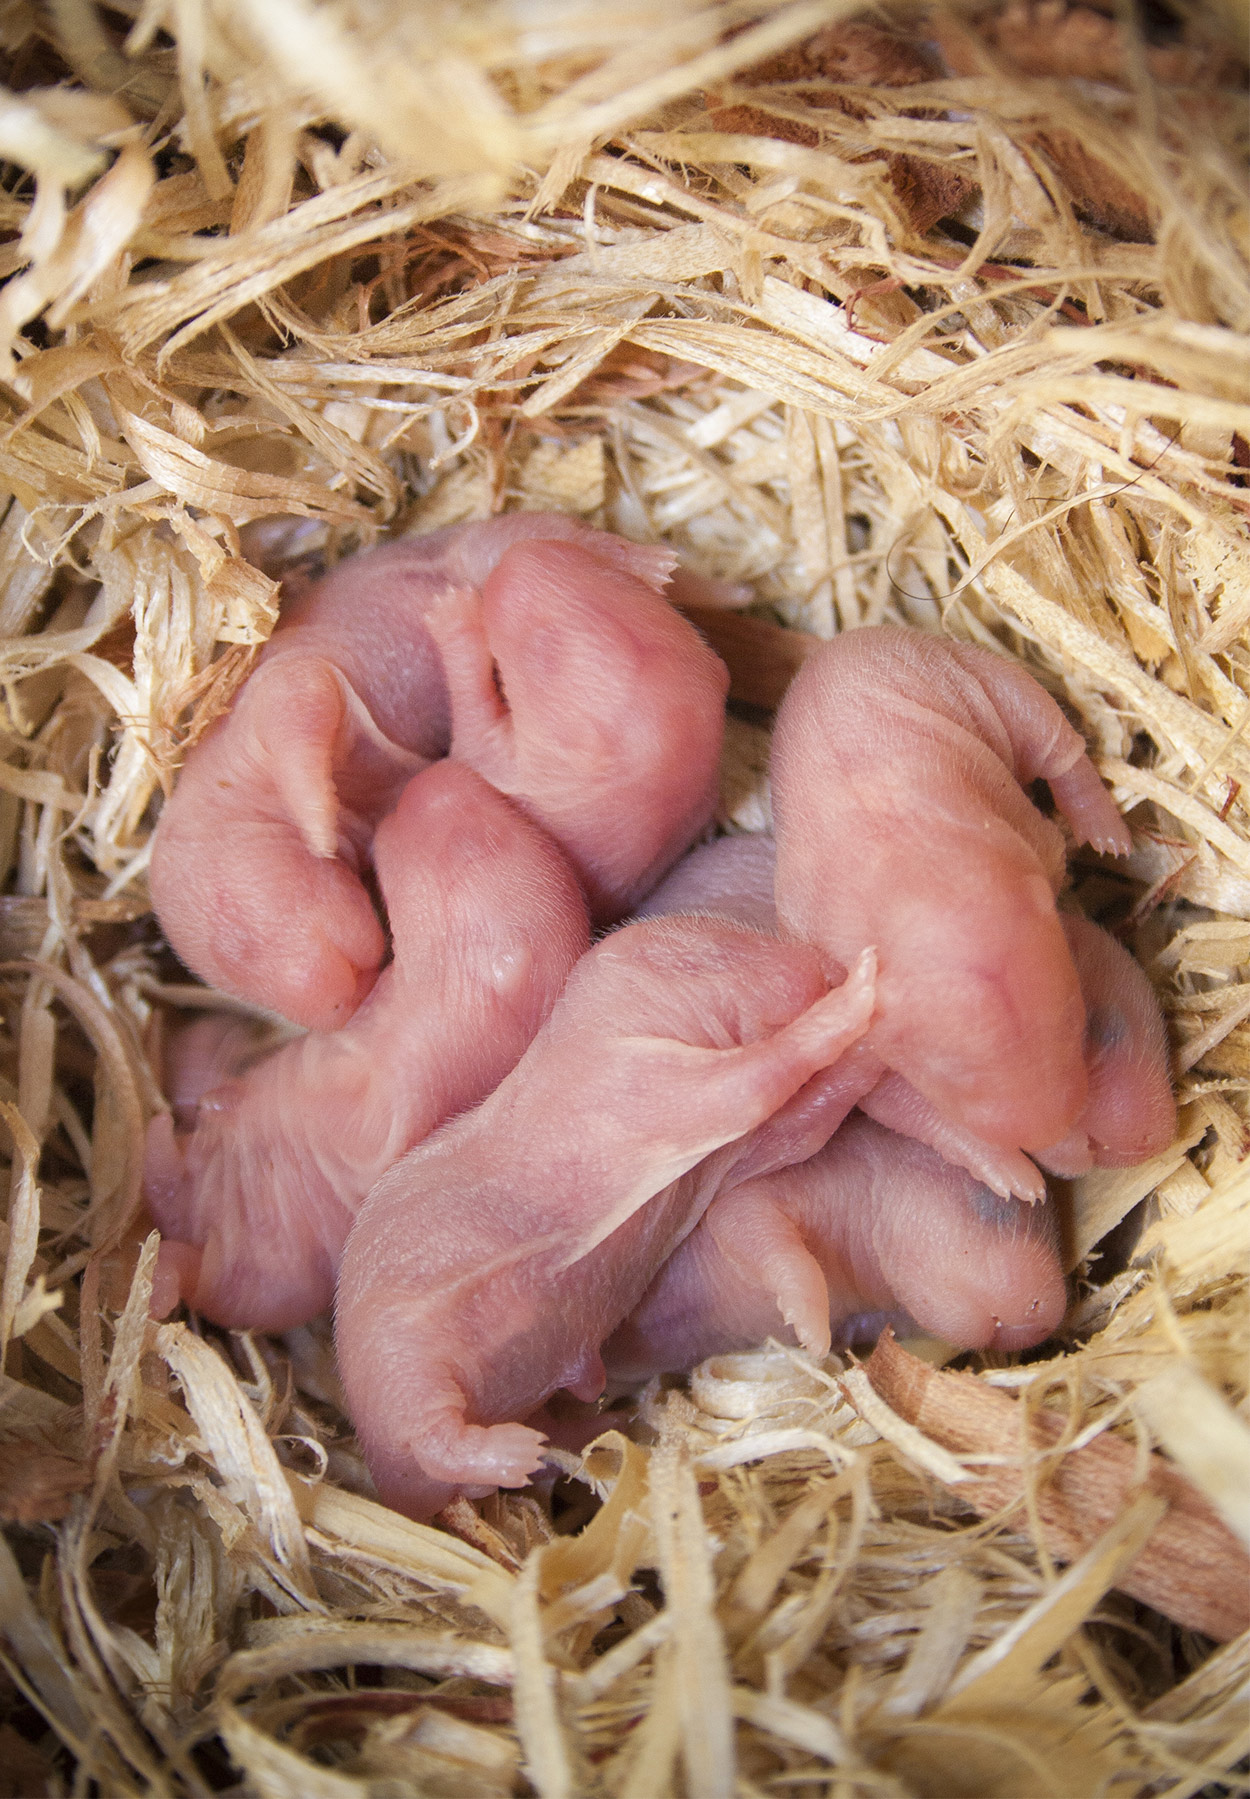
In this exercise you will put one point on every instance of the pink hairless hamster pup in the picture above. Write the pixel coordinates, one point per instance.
(1129, 1112)
(487, 1267)
(1128, 1116)
(876, 1224)
(899, 766)
(873, 1224)
(255, 1202)
(537, 650)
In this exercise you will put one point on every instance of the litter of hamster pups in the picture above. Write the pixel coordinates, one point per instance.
(935, 320)
(683, 1068)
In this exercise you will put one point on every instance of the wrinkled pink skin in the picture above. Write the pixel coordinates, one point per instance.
(486, 1268)
(873, 1224)
(256, 1200)
(1129, 1112)
(609, 737)
(899, 766)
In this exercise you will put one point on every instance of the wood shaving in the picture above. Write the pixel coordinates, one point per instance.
(935, 318)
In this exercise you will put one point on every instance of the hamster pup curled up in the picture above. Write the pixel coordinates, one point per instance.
(532, 648)
(900, 762)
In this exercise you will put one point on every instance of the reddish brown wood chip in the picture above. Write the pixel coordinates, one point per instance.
(463, 1521)
(1193, 1569)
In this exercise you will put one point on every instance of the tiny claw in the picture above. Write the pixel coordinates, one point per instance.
(1090, 810)
(513, 1452)
(503, 1455)
(1119, 844)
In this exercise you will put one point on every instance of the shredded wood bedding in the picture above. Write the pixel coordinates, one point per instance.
(938, 317)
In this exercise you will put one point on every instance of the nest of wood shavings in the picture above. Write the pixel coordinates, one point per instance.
(932, 316)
